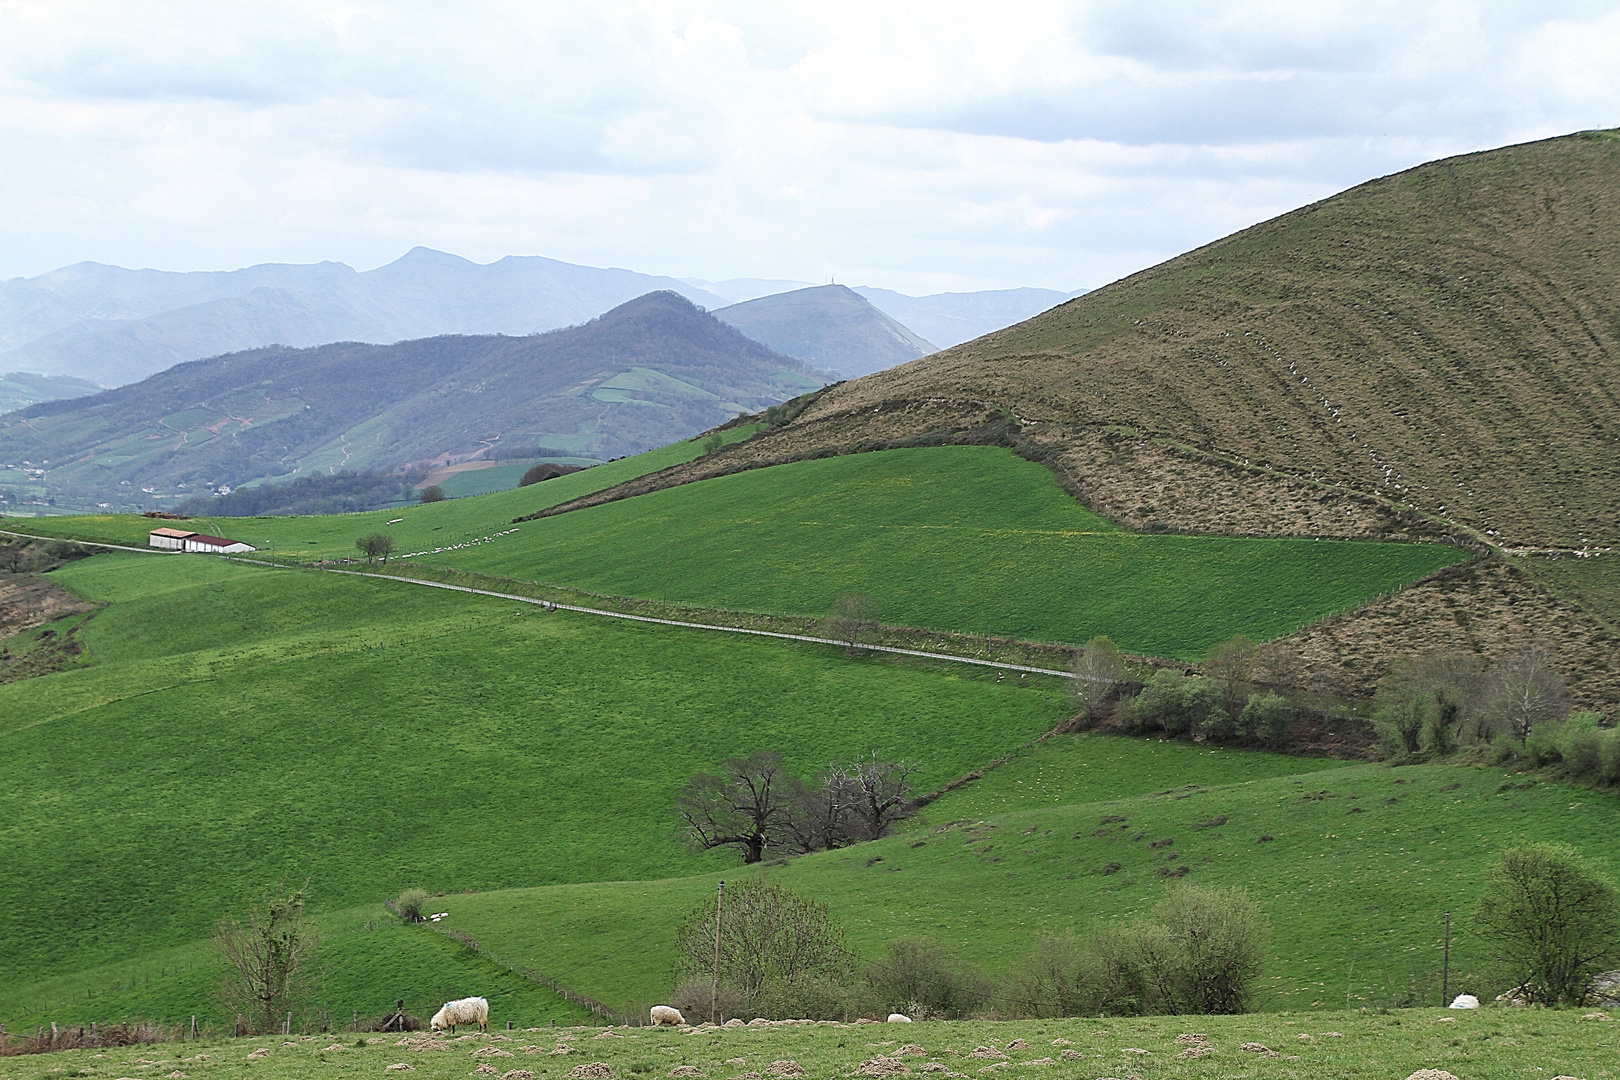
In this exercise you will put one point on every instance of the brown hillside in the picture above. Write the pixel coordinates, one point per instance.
(1443, 338)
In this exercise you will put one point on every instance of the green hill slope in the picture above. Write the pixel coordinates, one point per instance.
(968, 539)
(652, 370)
(240, 725)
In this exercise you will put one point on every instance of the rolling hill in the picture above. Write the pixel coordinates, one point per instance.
(1434, 353)
(20, 389)
(827, 326)
(118, 326)
(650, 371)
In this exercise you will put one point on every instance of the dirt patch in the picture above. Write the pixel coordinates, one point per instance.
(27, 602)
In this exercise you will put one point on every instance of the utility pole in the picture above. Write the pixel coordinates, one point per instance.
(1445, 971)
(714, 998)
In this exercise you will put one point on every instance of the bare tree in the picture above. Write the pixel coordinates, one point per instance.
(268, 956)
(883, 794)
(1231, 664)
(1525, 690)
(1098, 671)
(821, 812)
(746, 805)
(851, 617)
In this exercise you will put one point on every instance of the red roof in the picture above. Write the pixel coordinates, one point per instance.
(211, 541)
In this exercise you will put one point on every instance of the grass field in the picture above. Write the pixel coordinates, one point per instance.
(503, 477)
(241, 725)
(1355, 884)
(969, 539)
(1489, 1044)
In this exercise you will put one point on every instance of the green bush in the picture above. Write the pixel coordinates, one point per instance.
(1551, 920)
(1400, 725)
(1505, 749)
(410, 904)
(1268, 717)
(1608, 751)
(431, 494)
(917, 976)
(1177, 703)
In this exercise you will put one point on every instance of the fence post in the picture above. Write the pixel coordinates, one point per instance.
(357, 1019)
(193, 1025)
(714, 998)
(1445, 975)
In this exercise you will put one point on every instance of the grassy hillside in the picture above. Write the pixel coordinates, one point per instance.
(651, 370)
(969, 539)
(1362, 864)
(241, 725)
(1444, 339)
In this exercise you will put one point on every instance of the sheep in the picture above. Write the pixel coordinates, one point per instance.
(899, 1018)
(1465, 1001)
(472, 1010)
(667, 1014)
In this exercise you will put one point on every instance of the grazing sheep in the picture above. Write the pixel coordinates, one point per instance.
(899, 1018)
(667, 1014)
(472, 1010)
(1465, 1001)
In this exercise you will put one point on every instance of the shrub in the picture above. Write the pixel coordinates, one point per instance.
(1577, 742)
(1608, 751)
(1439, 734)
(713, 443)
(1218, 938)
(1268, 717)
(1400, 723)
(1098, 672)
(1505, 749)
(1550, 920)
(1176, 703)
(410, 903)
(915, 972)
(431, 494)
(545, 471)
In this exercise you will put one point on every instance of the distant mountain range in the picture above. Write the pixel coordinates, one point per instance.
(114, 326)
(647, 373)
(829, 326)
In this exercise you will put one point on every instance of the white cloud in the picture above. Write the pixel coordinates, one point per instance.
(906, 144)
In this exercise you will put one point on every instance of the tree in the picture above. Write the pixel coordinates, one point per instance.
(268, 955)
(747, 805)
(1231, 664)
(375, 546)
(1268, 717)
(1219, 937)
(821, 812)
(1525, 690)
(713, 443)
(1400, 724)
(1177, 703)
(769, 938)
(410, 903)
(918, 976)
(432, 493)
(1098, 671)
(852, 615)
(1550, 919)
(883, 794)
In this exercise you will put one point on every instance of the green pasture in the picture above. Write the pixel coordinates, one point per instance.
(1363, 863)
(332, 536)
(969, 539)
(503, 477)
(1487, 1044)
(240, 725)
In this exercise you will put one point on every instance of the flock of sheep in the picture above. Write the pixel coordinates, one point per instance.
(475, 1010)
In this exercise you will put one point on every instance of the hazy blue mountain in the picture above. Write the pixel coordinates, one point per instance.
(949, 319)
(649, 372)
(827, 326)
(737, 290)
(116, 326)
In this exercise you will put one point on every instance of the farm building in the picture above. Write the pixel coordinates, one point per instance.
(215, 545)
(169, 539)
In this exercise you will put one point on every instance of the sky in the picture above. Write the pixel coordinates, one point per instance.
(919, 146)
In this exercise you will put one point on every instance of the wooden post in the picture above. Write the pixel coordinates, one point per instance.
(193, 1025)
(1445, 972)
(714, 997)
(357, 1019)
(53, 1034)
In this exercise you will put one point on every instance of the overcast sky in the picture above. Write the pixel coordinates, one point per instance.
(918, 146)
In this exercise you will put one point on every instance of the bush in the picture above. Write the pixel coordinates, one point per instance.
(1608, 750)
(545, 471)
(1268, 717)
(1400, 724)
(1176, 703)
(1577, 741)
(431, 494)
(1199, 951)
(1505, 749)
(410, 904)
(916, 972)
(1550, 920)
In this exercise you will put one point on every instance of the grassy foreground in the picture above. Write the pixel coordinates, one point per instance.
(1488, 1044)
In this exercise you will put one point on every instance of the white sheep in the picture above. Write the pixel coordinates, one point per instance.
(667, 1014)
(472, 1010)
(899, 1018)
(1465, 1001)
